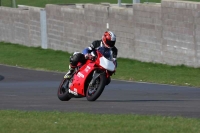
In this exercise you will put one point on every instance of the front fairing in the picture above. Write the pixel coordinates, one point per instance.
(107, 64)
(105, 59)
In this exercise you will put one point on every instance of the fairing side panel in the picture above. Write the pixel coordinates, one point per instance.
(80, 77)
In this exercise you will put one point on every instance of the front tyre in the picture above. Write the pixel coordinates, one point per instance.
(63, 93)
(94, 91)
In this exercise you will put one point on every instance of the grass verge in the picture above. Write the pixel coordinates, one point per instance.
(42, 3)
(132, 70)
(59, 122)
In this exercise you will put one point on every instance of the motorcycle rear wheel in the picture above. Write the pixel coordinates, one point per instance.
(93, 92)
(63, 93)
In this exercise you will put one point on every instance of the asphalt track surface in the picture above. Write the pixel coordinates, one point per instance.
(24, 89)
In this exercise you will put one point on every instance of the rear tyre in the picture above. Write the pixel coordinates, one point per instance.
(63, 90)
(93, 92)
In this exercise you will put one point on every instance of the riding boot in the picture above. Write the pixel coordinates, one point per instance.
(70, 72)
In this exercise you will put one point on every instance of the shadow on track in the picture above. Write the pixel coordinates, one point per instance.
(129, 101)
(1, 77)
(137, 100)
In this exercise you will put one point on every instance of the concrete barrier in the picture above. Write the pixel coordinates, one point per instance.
(164, 33)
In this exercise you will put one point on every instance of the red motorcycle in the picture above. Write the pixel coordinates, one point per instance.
(90, 79)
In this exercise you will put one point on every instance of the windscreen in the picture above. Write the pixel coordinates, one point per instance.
(106, 52)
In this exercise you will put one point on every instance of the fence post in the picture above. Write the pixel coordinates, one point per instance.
(119, 2)
(136, 1)
(43, 25)
(13, 3)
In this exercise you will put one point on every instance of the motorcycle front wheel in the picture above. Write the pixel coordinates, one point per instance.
(63, 93)
(94, 91)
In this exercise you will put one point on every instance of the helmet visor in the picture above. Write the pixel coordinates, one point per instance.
(110, 43)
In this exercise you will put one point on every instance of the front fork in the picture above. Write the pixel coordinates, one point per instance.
(94, 77)
(97, 74)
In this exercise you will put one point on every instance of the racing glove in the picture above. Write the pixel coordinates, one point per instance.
(89, 57)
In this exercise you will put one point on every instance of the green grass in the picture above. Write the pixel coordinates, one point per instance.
(133, 70)
(59, 122)
(36, 58)
(158, 73)
(42, 3)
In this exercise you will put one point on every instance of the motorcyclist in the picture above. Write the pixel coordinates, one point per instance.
(108, 42)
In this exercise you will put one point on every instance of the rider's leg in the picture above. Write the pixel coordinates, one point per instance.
(74, 60)
(70, 71)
